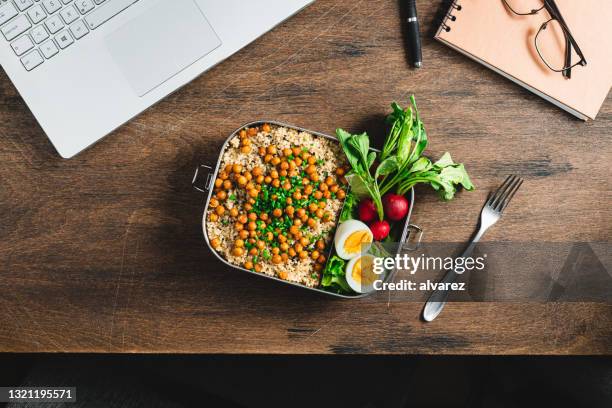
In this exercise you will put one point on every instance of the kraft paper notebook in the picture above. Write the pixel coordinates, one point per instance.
(486, 31)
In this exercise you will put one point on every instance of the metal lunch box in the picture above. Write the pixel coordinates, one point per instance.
(205, 175)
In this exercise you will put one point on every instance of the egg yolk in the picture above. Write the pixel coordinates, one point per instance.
(354, 241)
(363, 272)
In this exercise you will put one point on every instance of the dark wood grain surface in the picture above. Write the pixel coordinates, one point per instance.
(104, 252)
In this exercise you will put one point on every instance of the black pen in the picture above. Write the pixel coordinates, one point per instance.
(414, 37)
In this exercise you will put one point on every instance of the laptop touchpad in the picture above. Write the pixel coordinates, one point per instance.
(161, 42)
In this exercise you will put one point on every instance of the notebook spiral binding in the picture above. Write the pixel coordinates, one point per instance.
(455, 6)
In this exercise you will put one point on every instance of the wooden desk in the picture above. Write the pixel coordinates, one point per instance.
(104, 252)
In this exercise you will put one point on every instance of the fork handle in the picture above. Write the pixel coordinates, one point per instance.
(437, 300)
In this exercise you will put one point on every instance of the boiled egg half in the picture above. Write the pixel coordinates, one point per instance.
(360, 274)
(352, 238)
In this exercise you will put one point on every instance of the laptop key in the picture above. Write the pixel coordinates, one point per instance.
(79, 29)
(49, 49)
(36, 14)
(24, 4)
(64, 39)
(85, 6)
(22, 45)
(39, 34)
(54, 24)
(107, 11)
(7, 11)
(69, 14)
(32, 60)
(52, 5)
(16, 27)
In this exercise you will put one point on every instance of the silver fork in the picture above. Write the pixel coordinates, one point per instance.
(491, 213)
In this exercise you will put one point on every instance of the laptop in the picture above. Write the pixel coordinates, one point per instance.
(85, 67)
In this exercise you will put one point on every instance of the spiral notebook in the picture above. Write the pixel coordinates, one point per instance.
(487, 32)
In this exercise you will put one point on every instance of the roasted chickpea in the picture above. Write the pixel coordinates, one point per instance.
(287, 185)
(282, 238)
(237, 251)
(305, 181)
(274, 174)
(304, 241)
(283, 173)
(284, 257)
(248, 265)
(284, 247)
(308, 190)
(298, 247)
(239, 243)
(253, 131)
(275, 161)
(341, 194)
(227, 184)
(329, 181)
(319, 213)
(249, 186)
(298, 161)
(326, 194)
(290, 211)
(334, 188)
(318, 195)
(248, 206)
(283, 274)
(218, 183)
(267, 158)
(277, 212)
(275, 250)
(303, 254)
(339, 171)
(253, 234)
(276, 183)
(326, 216)
(321, 259)
(213, 217)
(311, 169)
(287, 152)
(269, 236)
(253, 193)
(264, 216)
(220, 210)
(318, 267)
(258, 268)
(312, 160)
(228, 168)
(241, 181)
(305, 155)
(238, 227)
(313, 207)
(244, 234)
(296, 150)
(261, 245)
(213, 202)
(252, 226)
(267, 179)
(289, 201)
(245, 149)
(300, 212)
(253, 251)
(237, 168)
(243, 133)
(233, 212)
(314, 177)
(315, 254)
(257, 171)
(221, 195)
(291, 252)
(292, 165)
(294, 229)
(323, 187)
(320, 245)
(246, 142)
(215, 243)
(312, 223)
(242, 218)
(271, 149)
(297, 222)
(252, 216)
(260, 179)
(223, 175)
(266, 128)
(261, 151)
(284, 165)
(297, 195)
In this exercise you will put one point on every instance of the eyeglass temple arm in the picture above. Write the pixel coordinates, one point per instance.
(553, 9)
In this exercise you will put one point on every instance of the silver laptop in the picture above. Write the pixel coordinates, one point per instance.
(85, 67)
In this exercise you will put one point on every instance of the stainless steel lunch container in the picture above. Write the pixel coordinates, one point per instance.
(205, 175)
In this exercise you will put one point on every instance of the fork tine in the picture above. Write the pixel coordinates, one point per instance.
(511, 195)
(495, 198)
(504, 196)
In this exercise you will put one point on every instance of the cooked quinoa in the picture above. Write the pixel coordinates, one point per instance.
(276, 202)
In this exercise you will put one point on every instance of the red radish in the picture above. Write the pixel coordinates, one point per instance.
(395, 206)
(380, 230)
(367, 210)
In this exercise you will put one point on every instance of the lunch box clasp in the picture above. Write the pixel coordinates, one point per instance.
(203, 178)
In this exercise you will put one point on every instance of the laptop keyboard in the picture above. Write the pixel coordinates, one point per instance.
(39, 29)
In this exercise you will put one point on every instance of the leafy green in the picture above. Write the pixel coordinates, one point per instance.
(334, 277)
(349, 210)
(402, 164)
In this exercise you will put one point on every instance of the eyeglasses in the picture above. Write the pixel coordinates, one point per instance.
(554, 42)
